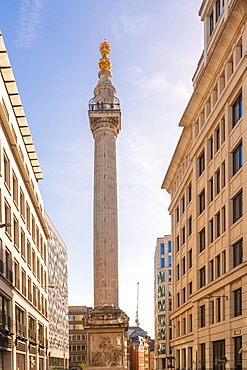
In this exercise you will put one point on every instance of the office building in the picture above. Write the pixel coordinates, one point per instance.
(57, 299)
(77, 337)
(208, 185)
(23, 236)
(162, 301)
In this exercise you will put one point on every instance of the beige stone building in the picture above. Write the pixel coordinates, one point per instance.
(77, 337)
(23, 247)
(162, 301)
(207, 180)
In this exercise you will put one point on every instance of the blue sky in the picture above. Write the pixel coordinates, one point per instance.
(53, 49)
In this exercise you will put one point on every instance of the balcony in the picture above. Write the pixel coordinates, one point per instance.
(21, 330)
(5, 342)
(92, 105)
(1, 266)
(41, 341)
(32, 335)
(5, 322)
(9, 275)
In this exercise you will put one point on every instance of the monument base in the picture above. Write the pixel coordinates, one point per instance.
(107, 345)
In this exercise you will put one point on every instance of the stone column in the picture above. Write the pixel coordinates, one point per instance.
(106, 323)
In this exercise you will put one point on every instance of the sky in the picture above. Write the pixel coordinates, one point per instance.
(53, 49)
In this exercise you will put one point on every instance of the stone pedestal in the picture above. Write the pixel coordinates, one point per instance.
(105, 328)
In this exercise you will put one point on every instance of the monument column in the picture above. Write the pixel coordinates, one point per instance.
(106, 323)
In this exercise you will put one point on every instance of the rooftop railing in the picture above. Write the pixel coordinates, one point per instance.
(104, 106)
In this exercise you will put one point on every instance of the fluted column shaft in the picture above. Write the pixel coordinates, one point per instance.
(105, 219)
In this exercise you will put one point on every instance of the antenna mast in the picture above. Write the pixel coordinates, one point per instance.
(137, 320)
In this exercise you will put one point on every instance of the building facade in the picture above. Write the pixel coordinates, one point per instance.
(208, 186)
(23, 236)
(57, 299)
(77, 337)
(138, 349)
(162, 301)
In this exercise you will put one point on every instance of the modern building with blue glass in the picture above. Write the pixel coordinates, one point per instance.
(162, 300)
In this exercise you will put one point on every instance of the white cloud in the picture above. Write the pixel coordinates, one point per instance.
(134, 25)
(29, 21)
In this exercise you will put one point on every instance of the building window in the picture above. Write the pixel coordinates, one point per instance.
(183, 204)
(161, 320)
(223, 217)
(17, 274)
(169, 261)
(190, 323)
(237, 302)
(22, 204)
(201, 161)
(223, 262)
(183, 235)
(8, 262)
(15, 188)
(202, 240)
(217, 219)
(237, 158)
(218, 351)
(7, 219)
(178, 271)
(184, 295)
(169, 244)
(190, 357)
(183, 265)
(237, 202)
(190, 288)
(238, 353)
(161, 305)
(217, 260)
(203, 356)
(178, 299)
(162, 249)
(202, 316)
(217, 181)
(177, 214)
(212, 311)
(211, 266)
(16, 232)
(202, 277)
(211, 189)
(217, 8)
(189, 258)
(28, 216)
(190, 226)
(162, 262)
(161, 277)
(23, 245)
(6, 171)
(211, 230)
(217, 139)
(211, 148)
(223, 174)
(161, 291)
(184, 325)
(211, 23)
(218, 309)
(201, 202)
(177, 244)
(189, 193)
(237, 110)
